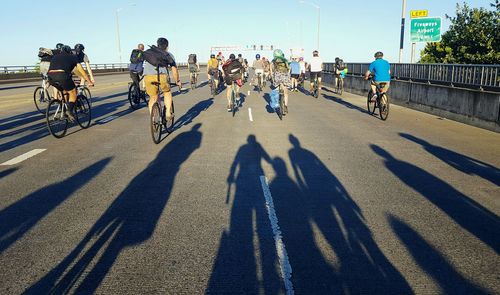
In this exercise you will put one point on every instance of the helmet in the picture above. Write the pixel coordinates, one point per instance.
(239, 54)
(315, 52)
(162, 43)
(59, 46)
(257, 56)
(232, 56)
(263, 58)
(337, 59)
(79, 47)
(212, 55)
(66, 49)
(301, 59)
(220, 53)
(278, 53)
(379, 54)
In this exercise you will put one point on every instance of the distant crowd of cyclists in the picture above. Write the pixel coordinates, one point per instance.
(153, 67)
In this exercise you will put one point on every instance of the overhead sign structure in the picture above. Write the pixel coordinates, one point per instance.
(425, 30)
(419, 13)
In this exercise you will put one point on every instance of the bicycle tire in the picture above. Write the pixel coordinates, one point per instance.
(282, 104)
(134, 97)
(41, 98)
(156, 123)
(384, 108)
(233, 100)
(259, 84)
(83, 111)
(169, 124)
(86, 92)
(57, 123)
(371, 104)
(340, 86)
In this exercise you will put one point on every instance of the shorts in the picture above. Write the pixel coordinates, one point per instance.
(386, 86)
(152, 89)
(61, 81)
(44, 67)
(313, 75)
(295, 76)
(281, 78)
(213, 72)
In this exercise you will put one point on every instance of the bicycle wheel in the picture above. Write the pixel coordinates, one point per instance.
(57, 123)
(384, 107)
(83, 111)
(156, 123)
(134, 96)
(169, 124)
(259, 84)
(341, 86)
(41, 98)
(233, 100)
(371, 103)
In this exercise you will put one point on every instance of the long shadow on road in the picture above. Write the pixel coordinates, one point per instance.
(130, 220)
(317, 206)
(458, 161)
(235, 270)
(194, 112)
(344, 103)
(432, 262)
(470, 215)
(20, 217)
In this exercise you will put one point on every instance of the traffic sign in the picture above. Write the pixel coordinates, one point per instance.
(425, 29)
(419, 13)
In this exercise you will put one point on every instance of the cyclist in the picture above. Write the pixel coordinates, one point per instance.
(193, 65)
(136, 64)
(340, 70)
(221, 60)
(267, 68)
(60, 70)
(302, 64)
(83, 58)
(151, 77)
(295, 73)
(213, 70)
(315, 68)
(232, 72)
(280, 71)
(258, 67)
(381, 71)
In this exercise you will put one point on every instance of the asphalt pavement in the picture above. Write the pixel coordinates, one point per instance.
(331, 200)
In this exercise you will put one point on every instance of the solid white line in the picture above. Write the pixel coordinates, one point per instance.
(107, 119)
(285, 267)
(250, 114)
(23, 157)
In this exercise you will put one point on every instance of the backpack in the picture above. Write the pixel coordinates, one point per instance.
(158, 58)
(280, 66)
(136, 56)
(45, 54)
(192, 58)
(232, 69)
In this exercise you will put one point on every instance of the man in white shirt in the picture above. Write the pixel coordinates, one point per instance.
(315, 69)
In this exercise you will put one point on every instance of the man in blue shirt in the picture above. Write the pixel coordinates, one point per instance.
(295, 73)
(381, 71)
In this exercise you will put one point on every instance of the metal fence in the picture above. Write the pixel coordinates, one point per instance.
(483, 77)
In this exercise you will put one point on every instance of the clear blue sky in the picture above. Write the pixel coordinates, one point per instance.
(351, 29)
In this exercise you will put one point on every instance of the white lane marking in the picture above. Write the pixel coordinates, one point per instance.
(108, 119)
(248, 93)
(23, 157)
(285, 267)
(250, 114)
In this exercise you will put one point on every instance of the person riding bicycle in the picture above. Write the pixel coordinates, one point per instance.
(232, 73)
(154, 75)
(280, 71)
(267, 68)
(83, 58)
(136, 64)
(221, 60)
(258, 67)
(213, 70)
(60, 76)
(315, 68)
(340, 69)
(295, 73)
(381, 71)
(193, 65)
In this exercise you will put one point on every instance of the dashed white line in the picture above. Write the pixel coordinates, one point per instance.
(108, 119)
(250, 114)
(23, 157)
(285, 267)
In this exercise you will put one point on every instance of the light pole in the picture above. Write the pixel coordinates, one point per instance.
(118, 30)
(319, 16)
(401, 43)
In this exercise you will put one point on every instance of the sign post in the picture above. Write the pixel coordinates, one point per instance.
(423, 29)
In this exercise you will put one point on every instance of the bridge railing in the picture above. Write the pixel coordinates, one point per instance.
(483, 77)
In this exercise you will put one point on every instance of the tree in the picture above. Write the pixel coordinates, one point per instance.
(473, 38)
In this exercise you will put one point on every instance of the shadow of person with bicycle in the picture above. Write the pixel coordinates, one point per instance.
(470, 215)
(129, 221)
(344, 103)
(432, 262)
(17, 219)
(246, 259)
(458, 161)
(331, 248)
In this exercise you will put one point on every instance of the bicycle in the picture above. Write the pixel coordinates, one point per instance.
(57, 120)
(158, 120)
(213, 89)
(194, 80)
(381, 101)
(81, 89)
(41, 96)
(135, 94)
(282, 111)
(259, 82)
(316, 90)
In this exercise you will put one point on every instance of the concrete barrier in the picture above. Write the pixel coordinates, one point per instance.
(474, 107)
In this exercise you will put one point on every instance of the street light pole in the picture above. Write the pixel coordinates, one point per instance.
(118, 34)
(319, 17)
(401, 43)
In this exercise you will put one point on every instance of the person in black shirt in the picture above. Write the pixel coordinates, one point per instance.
(59, 74)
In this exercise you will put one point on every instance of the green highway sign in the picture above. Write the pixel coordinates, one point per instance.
(426, 29)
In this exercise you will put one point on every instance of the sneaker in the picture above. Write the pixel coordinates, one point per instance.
(229, 108)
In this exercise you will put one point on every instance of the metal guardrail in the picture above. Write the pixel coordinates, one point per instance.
(483, 77)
